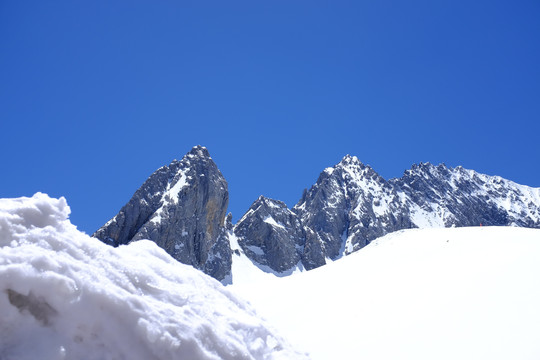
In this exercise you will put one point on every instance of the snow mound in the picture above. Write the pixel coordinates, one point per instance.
(420, 294)
(64, 295)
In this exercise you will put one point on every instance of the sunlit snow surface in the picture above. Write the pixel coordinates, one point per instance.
(458, 293)
(64, 295)
(464, 293)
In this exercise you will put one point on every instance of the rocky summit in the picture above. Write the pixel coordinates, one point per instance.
(182, 208)
(350, 204)
(271, 234)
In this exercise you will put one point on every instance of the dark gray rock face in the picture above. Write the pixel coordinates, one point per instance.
(271, 234)
(460, 197)
(351, 205)
(182, 208)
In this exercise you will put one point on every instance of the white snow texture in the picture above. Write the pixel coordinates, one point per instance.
(420, 294)
(64, 295)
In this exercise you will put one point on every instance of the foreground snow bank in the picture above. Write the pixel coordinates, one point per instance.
(64, 295)
(422, 294)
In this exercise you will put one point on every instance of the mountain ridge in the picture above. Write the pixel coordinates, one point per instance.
(182, 208)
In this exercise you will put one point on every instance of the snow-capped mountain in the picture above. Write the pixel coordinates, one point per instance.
(461, 197)
(350, 205)
(182, 208)
(447, 293)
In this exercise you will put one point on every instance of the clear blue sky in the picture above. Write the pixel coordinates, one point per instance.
(96, 95)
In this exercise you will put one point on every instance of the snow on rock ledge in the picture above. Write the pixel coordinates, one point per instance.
(64, 295)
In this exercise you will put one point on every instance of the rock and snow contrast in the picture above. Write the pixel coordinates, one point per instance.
(271, 235)
(65, 295)
(449, 290)
(182, 208)
(419, 294)
(350, 204)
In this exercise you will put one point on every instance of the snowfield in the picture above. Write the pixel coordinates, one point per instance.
(64, 295)
(459, 293)
(455, 293)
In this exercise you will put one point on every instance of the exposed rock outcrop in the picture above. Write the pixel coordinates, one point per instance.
(351, 205)
(271, 234)
(182, 208)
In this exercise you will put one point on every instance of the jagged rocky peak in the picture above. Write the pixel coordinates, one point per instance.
(267, 202)
(427, 182)
(199, 151)
(350, 160)
(351, 171)
(271, 235)
(462, 197)
(182, 208)
(430, 170)
(344, 205)
(336, 178)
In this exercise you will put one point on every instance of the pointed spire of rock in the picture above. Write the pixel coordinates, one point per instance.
(349, 160)
(182, 208)
(271, 234)
(199, 151)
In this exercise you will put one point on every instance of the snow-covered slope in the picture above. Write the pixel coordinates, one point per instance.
(455, 293)
(64, 295)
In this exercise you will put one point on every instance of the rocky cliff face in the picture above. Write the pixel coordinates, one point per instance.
(182, 208)
(351, 205)
(271, 234)
(458, 197)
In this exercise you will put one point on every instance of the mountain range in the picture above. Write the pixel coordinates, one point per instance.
(182, 208)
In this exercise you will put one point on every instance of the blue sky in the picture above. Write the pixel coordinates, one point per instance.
(96, 95)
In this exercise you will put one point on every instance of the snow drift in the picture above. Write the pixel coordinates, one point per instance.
(422, 294)
(64, 295)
